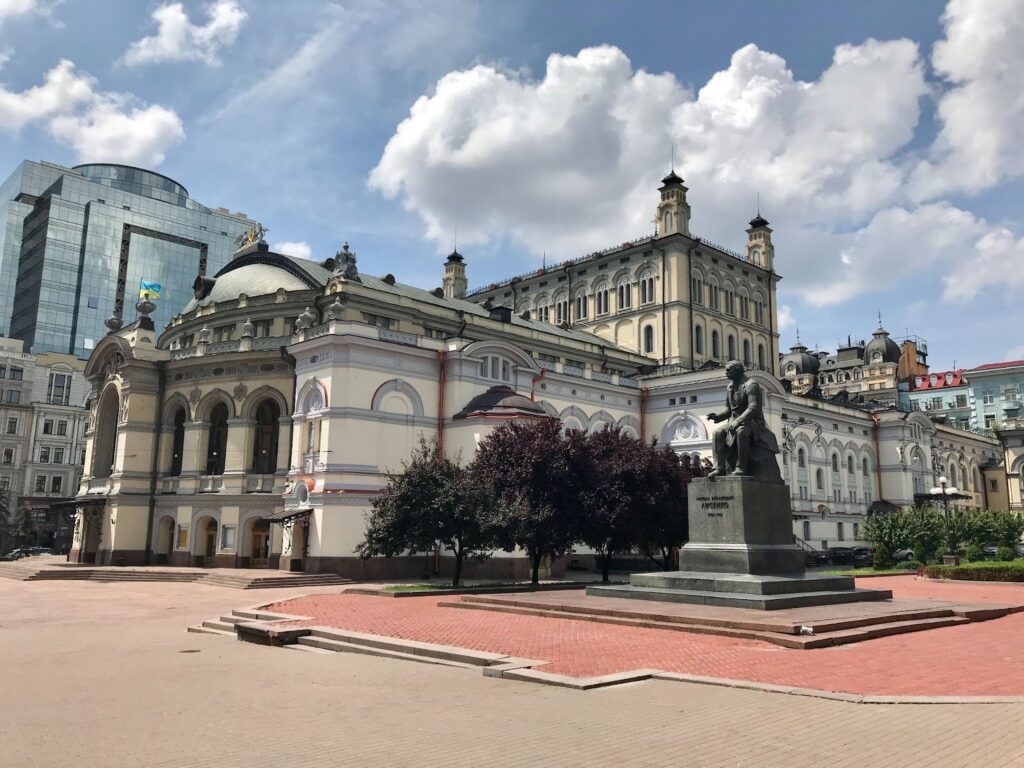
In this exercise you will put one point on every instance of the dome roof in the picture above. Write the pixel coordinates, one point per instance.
(672, 178)
(500, 401)
(881, 349)
(758, 221)
(257, 274)
(802, 359)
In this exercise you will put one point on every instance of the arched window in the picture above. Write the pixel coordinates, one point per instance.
(835, 462)
(601, 296)
(801, 458)
(667, 219)
(217, 443)
(561, 311)
(865, 467)
(760, 356)
(647, 288)
(746, 351)
(713, 296)
(105, 436)
(264, 444)
(732, 347)
(697, 291)
(544, 313)
(581, 307)
(698, 340)
(849, 465)
(648, 339)
(819, 479)
(625, 296)
(716, 347)
(178, 442)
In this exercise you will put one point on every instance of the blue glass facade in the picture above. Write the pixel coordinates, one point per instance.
(77, 242)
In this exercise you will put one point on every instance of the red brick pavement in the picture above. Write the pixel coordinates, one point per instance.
(980, 659)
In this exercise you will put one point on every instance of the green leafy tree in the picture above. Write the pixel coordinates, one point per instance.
(526, 465)
(887, 531)
(924, 530)
(26, 527)
(434, 500)
(608, 468)
(662, 522)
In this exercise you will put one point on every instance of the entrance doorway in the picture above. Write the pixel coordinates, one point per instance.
(205, 542)
(260, 544)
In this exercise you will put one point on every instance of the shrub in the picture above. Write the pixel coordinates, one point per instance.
(1005, 554)
(883, 558)
(909, 565)
(979, 572)
(921, 554)
(974, 552)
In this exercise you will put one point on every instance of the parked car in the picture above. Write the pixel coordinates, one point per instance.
(863, 557)
(840, 555)
(902, 555)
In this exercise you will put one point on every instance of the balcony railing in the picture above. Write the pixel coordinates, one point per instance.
(211, 483)
(169, 484)
(259, 483)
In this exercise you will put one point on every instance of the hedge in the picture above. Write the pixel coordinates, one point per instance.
(976, 572)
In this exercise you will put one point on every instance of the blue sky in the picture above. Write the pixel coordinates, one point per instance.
(882, 137)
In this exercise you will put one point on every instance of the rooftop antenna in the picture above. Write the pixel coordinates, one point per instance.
(879, 319)
(758, 202)
(672, 156)
(798, 334)
(455, 240)
(544, 260)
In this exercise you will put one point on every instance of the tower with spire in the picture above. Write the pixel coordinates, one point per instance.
(673, 215)
(760, 250)
(454, 283)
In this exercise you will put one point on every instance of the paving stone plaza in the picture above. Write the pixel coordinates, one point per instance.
(104, 673)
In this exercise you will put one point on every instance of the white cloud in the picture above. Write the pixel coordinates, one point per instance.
(11, 8)
(982, 114)
(299, 250)
(786, 319)
(569, 162)
(178, 39)
(99, 125)
(111, 132)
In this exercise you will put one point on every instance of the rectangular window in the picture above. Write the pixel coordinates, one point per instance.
(990, 419)
(988, 398)
(58, 390)
(182, 542)
(263, 328)
(16, 374)
(62, 427)
(40, 483)
(839, 531)
(58, 455)
(94, 302)
(3, 371)
(81, 457)
(961, 401)
(44, 454)
(56, 484)
(936, 404)
(223, 332)
(227, 537)
(856, 531)
(13, 396)
(993, 485)
(5, 483)
(12, 426)
(377, 320)
(8, 455)
(47, 426)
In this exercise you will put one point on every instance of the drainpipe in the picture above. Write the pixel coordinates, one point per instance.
(440, 404)
(568, 319)
(664, 319)
(155, 464)
(773, 323)
(878, 457)
(689, 304)
(538, 377)
(643, 412)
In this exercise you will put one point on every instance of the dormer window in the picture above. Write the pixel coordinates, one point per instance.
(496, 368)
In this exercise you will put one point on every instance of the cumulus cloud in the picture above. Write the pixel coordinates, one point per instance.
(178, 39)
(99, 125)
(569, 161)
(786, 319)
(300, 250)
(982, 114)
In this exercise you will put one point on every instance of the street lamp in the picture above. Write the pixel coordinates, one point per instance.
(952, 556)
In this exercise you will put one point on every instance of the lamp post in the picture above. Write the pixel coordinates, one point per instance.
(952, 556)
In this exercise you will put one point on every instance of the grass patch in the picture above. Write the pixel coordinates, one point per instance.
(866, 572)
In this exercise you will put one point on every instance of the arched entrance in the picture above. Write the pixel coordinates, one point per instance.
(164, 540)
(205, 542)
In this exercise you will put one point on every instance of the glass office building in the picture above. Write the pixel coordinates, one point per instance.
(75, 244)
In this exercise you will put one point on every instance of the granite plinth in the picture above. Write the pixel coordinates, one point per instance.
(741, 554)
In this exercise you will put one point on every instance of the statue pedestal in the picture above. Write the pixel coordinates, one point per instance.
(741, 553)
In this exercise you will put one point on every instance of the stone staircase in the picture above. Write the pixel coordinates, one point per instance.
(272, 579)
(786, 632)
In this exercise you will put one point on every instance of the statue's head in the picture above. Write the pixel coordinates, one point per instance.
(734, 369)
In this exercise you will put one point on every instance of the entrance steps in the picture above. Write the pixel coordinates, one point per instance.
(272, 580)
(37, 573)
(820, 629)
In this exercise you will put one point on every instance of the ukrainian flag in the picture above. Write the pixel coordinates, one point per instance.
(148, 290)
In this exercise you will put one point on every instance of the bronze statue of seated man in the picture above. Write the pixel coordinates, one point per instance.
(744, 446)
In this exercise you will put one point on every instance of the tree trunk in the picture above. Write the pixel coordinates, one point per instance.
(458, 567)
(606, 561)
(535, 567)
